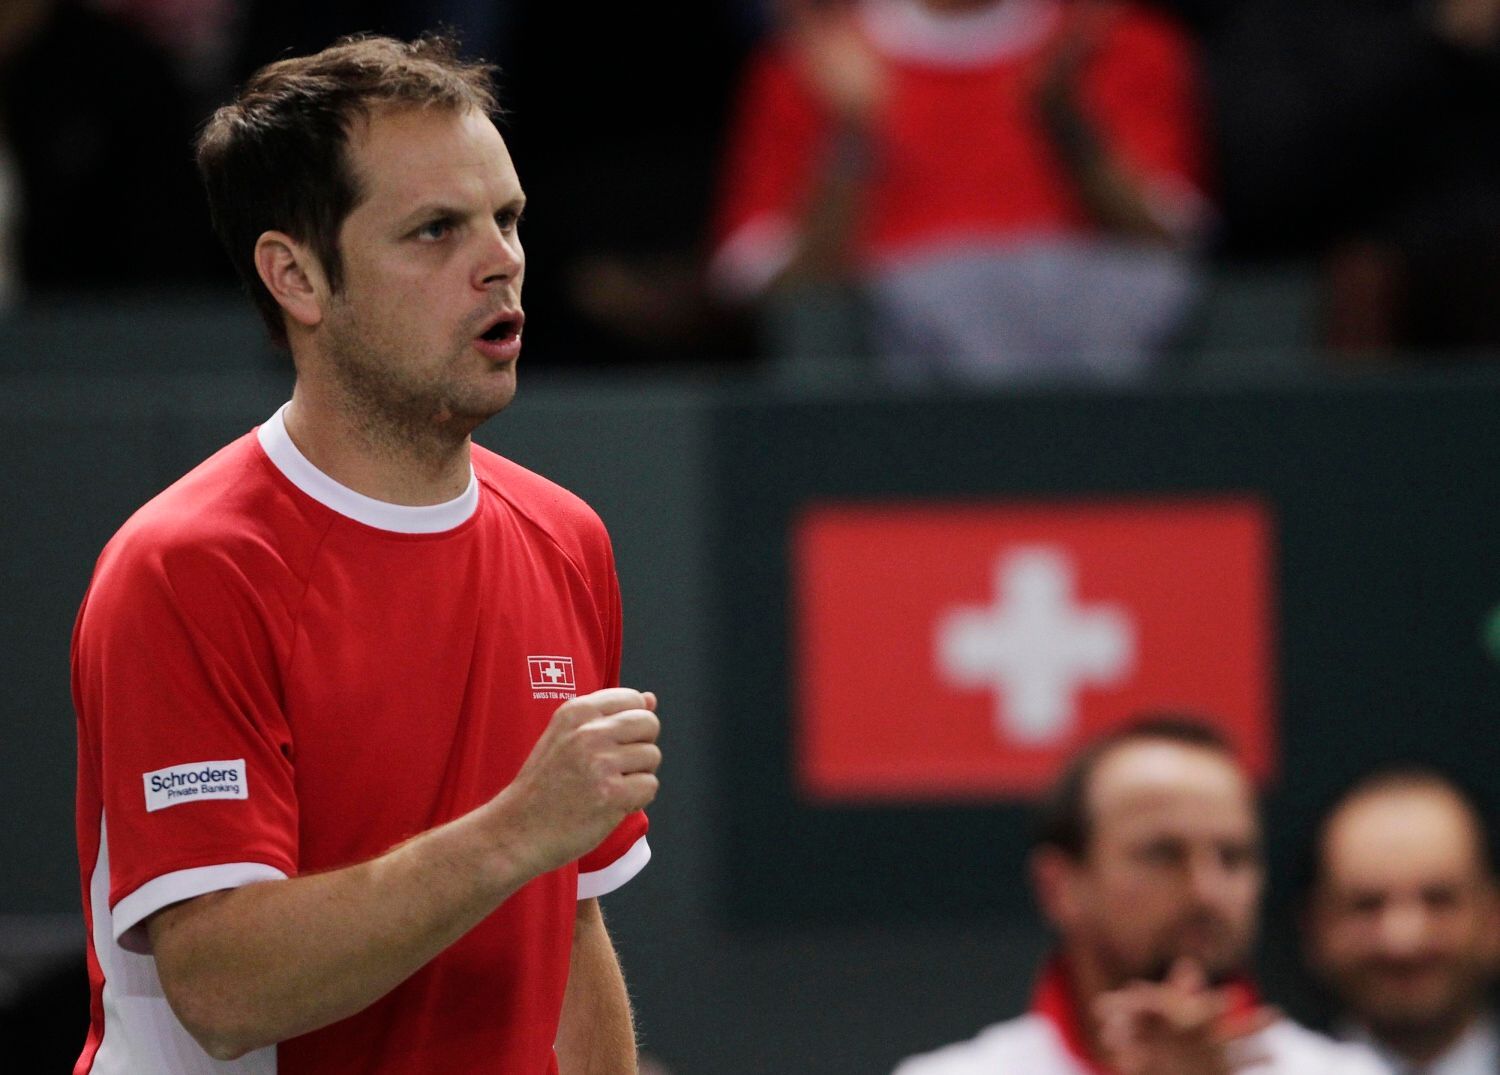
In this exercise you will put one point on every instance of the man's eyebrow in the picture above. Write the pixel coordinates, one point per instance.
(444, 211)
(432, 211)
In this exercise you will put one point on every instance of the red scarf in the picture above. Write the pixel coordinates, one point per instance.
(1056, 1001)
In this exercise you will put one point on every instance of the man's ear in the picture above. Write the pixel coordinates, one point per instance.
(1054, 877)
(293, 276)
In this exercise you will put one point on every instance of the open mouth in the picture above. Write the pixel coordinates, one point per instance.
(502, 331)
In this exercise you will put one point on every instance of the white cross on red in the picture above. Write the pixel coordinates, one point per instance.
(1035, 647)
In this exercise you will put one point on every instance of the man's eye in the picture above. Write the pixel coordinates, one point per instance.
(1163, 854)
(1239, 858)
(434, 230)
(1440, 897)
(508, 219)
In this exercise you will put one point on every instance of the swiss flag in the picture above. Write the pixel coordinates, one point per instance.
(965, 651)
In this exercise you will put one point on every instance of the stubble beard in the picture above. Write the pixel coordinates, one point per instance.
(1154, 965)
(1428, 1026)
(399, 413)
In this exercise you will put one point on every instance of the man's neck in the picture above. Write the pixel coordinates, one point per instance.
(393, 466)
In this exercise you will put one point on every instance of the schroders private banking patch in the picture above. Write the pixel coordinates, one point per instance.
(195, 782)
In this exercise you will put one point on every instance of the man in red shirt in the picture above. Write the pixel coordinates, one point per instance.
(1014, 186)
(354, 764)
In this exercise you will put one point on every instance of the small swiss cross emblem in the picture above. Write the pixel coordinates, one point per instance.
(553, 675)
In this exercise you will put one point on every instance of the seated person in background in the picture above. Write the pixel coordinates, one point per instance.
(1147, 865)
(88, 105)
(1357, 136)
(1015, 185)
(1402, 923)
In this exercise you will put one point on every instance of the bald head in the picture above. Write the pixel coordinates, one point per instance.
(1159, 861)
(1403, 918)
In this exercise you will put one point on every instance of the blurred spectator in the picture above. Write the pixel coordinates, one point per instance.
(1404, 922)
(1147, 865)
(625, 136)
(197, 34)
(1014, 186)
(1361, 135)
(101, 134)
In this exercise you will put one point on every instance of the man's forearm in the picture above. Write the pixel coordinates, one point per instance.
(596, 1035)
(836, 203)
(1116, 200)
(256, 965)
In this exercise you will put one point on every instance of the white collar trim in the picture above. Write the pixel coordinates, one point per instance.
(908, 30)
(397, 518)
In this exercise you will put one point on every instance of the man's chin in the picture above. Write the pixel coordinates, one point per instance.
(476, 408)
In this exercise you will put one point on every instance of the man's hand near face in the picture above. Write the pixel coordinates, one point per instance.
(1180, 1026)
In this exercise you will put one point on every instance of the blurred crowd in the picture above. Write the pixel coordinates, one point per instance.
(1147, 866)
(925, 191)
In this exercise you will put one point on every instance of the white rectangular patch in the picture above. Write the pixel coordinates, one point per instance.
(196, 782)
(551, 673)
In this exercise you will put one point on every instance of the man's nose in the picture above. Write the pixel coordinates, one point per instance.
(1402, 928)
(1209, 879)
(501, 259)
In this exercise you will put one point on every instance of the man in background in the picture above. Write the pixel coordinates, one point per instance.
(1014, 188)
(1147, 865)
(1402, 923)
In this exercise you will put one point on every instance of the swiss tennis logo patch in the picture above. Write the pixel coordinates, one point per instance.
(552, 677)
(195, 782)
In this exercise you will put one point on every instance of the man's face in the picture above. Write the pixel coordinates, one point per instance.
(1403, 924)
(432, 260)
(1173, 867)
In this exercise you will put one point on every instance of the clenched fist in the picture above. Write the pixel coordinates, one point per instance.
(595, 763)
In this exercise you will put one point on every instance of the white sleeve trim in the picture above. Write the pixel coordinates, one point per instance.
(602, 882)
(170, 888)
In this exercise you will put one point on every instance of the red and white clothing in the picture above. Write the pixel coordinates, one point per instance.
(275, 675)
(973, 237)
(1049, 1040)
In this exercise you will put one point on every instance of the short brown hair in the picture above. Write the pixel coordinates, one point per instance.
(1062, 817)
(275, 157)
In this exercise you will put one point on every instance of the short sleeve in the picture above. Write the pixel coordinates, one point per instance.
(625, 852)
(1148, 89)
(175, 682)
(622, 855)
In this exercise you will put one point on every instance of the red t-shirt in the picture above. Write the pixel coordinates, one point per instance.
(961, 157)
(275, 675)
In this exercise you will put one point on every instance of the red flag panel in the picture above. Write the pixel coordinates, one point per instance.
(948, 652)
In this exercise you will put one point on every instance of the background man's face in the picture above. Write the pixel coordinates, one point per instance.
(1173, 867)
(1403, 925)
